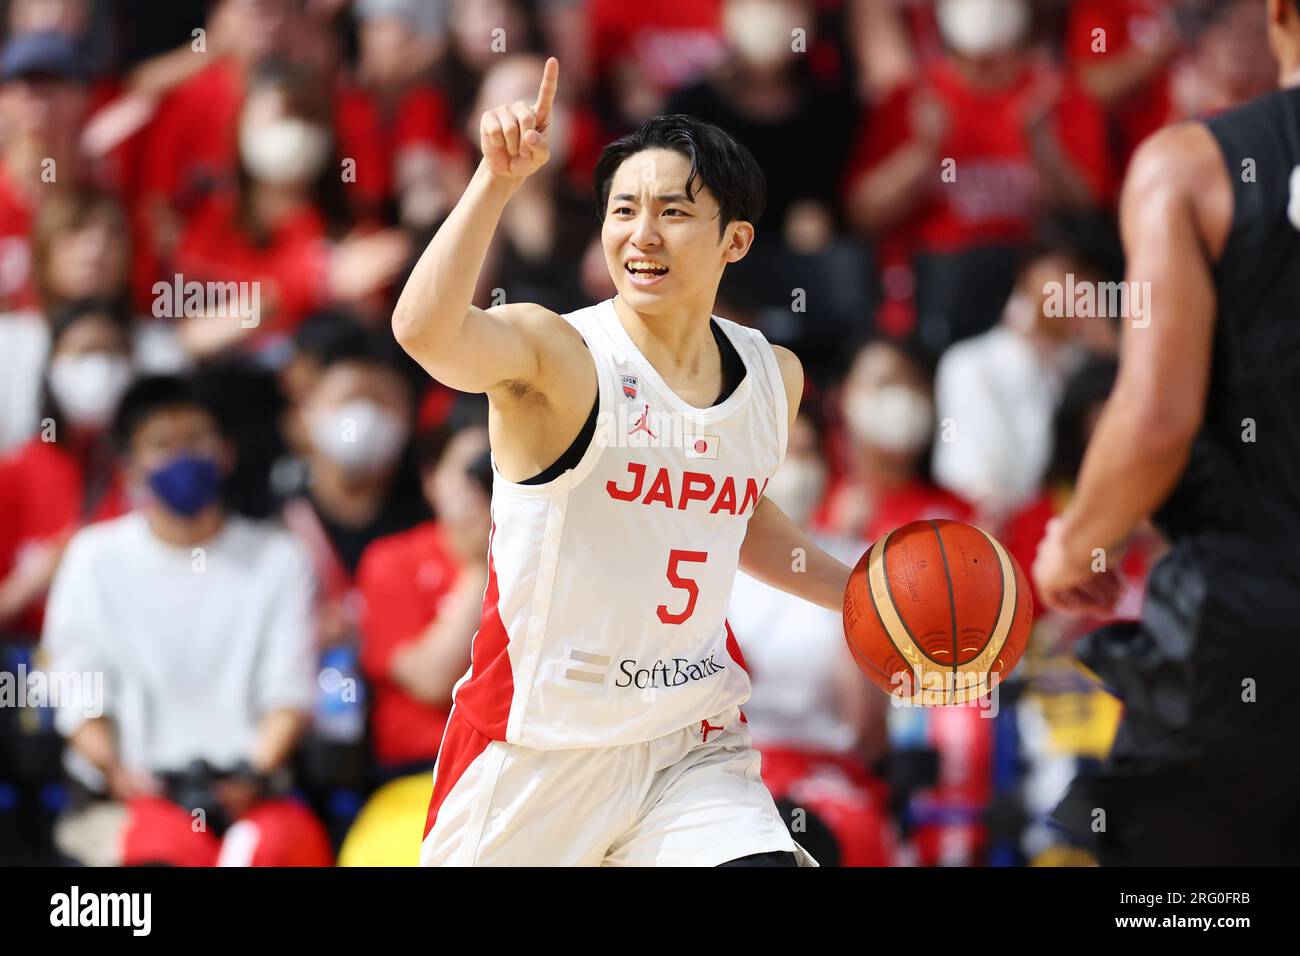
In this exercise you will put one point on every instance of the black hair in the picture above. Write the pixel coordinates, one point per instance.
(718, 163)
(1091, 239)
(153, 394)
(480, 469)
(114, 310)
(331, 334)
(469, 411)
(1085, 391)
(62, 320)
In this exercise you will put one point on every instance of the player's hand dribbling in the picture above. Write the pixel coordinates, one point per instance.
(513, 138)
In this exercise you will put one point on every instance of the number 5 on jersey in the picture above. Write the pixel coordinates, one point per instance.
(688, 585)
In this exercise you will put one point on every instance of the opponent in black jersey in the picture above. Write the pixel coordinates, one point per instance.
(1202, 431)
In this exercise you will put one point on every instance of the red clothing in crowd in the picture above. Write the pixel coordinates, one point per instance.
(949, 817)
(915, 501)
(1026, 528)
(422, 118)
(839, 790)
(279, 832)
(292, 267)
(993, 198)
(41, 495)
(403, 580)
(672, 41)
(16, 290)
(1125, 26)
(193, 139)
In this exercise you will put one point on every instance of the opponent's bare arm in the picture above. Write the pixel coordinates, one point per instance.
(777, 551)
(464, 347)
(1174, 215)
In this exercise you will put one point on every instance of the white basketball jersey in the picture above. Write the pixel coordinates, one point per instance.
(604, 618)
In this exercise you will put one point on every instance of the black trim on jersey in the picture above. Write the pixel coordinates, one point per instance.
(733, 371)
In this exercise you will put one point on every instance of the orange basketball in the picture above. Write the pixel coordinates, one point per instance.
(937, 612)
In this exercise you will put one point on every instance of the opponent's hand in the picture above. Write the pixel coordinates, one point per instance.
(513, 138)
(1066, 581)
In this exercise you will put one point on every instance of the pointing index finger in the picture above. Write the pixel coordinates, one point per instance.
(546, 93)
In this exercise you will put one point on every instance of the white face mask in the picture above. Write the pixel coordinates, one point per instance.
(760, 30)
(287, 150)
(894, 418)
(87, 387)
(361, 437)
(982, 27)
(797, 488)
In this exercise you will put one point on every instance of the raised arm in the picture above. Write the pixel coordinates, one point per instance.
(467, 348)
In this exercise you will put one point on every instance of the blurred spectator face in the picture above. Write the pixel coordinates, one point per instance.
(87, 259)
(473, 23)
(383, 43)
(760, 31)
(42, 113)
(798, 485)
(90, 368)
(983, 28)
(1027, 311)
(257, 28)
(357, 417)
(514, 78)
(68, 17)
(179, 454)
(278, 145)
(456, 497)
(396, 44)
(887, 404)
(1235, 52)
(679, 235)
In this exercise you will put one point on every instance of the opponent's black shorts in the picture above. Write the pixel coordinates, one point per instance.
(1204, 769)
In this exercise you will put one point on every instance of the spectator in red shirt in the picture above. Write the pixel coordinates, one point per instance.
(193, 140)
(422, 596)
(1123, 51)
(396, 125)
(952, 171)
(641, 53)
(66, 476)
(42, 103)
(273, 229)
(887, 406)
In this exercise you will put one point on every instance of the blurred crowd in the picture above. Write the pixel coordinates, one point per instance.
(207, 210)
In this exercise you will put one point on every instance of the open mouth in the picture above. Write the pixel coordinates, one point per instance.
(645, 270)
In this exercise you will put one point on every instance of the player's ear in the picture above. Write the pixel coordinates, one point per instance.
(739, 237)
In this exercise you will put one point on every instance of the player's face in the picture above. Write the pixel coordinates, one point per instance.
(664, 250)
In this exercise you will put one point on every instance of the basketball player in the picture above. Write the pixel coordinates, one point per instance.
(1202, 770)
(600, 720)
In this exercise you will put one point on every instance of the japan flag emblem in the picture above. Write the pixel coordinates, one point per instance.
(702, 446)
(629, 385)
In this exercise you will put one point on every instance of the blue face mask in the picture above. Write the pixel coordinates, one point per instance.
(186, 484)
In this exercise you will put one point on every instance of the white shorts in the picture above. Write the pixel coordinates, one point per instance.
(691, 798)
